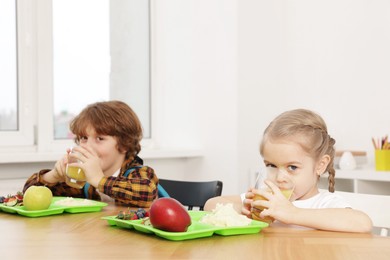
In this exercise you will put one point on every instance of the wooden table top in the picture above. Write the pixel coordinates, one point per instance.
(87, 236)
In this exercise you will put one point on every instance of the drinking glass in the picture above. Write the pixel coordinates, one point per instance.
(75, 176)
(286, 186)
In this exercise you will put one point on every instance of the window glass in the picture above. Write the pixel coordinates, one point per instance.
(99, 54)
(81, 61)
(58, 56)
(8, 67)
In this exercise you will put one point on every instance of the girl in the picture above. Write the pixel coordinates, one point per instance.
(108, 136)
(297, 142)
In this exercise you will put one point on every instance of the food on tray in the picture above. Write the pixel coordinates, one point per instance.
(37, 198)
(170, 215)
(69, 201)
(12, 200)
(133, 214)
(224, 215)
(196, 230)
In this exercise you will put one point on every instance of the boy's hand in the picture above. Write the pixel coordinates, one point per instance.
(90, 163)
(57, 174)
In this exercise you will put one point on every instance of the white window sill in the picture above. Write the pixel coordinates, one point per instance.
(32, 157)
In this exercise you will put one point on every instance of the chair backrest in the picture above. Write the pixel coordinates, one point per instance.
(191, 193)
(375, 206)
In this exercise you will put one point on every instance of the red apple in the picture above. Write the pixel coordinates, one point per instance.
(170, 215)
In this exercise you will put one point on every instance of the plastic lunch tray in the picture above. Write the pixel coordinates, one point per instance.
(54, 209)
(195, 230)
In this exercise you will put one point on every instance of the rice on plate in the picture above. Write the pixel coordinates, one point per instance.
(224, 215)
(69, 201)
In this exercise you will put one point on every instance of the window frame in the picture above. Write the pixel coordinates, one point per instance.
(24, 135)
(35, 85)
(45, 134)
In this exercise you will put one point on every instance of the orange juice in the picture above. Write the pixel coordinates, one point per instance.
(256, 211)
(75, 177)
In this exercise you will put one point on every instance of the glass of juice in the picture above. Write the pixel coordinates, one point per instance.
(75, 176)
(282, 180)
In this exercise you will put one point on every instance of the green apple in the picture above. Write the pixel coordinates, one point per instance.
(37, 198)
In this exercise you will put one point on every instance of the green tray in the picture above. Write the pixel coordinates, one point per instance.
(195, 230)
(54, 209)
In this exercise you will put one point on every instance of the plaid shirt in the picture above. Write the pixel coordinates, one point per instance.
(138, 189)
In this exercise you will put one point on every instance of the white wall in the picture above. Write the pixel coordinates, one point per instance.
(224, 68)
(195, 68)
(329, 56)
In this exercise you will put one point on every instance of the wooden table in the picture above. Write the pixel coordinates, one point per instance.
(87, 236)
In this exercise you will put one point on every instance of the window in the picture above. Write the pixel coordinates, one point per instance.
(70, 53)
(8, 79)
(81, 59)
(16, 117)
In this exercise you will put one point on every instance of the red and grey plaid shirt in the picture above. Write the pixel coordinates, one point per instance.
(138, 189)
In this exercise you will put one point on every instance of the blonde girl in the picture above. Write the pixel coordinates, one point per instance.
(297, 143)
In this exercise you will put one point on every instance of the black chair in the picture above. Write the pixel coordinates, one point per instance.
(192, 194)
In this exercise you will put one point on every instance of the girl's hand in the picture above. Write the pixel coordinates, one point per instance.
(89, 162)
(247, 203)
(276, 205)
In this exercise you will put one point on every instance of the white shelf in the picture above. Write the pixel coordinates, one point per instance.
(361, 180)
(368, 173)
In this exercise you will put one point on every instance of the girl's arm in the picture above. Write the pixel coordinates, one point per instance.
(331, 219)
